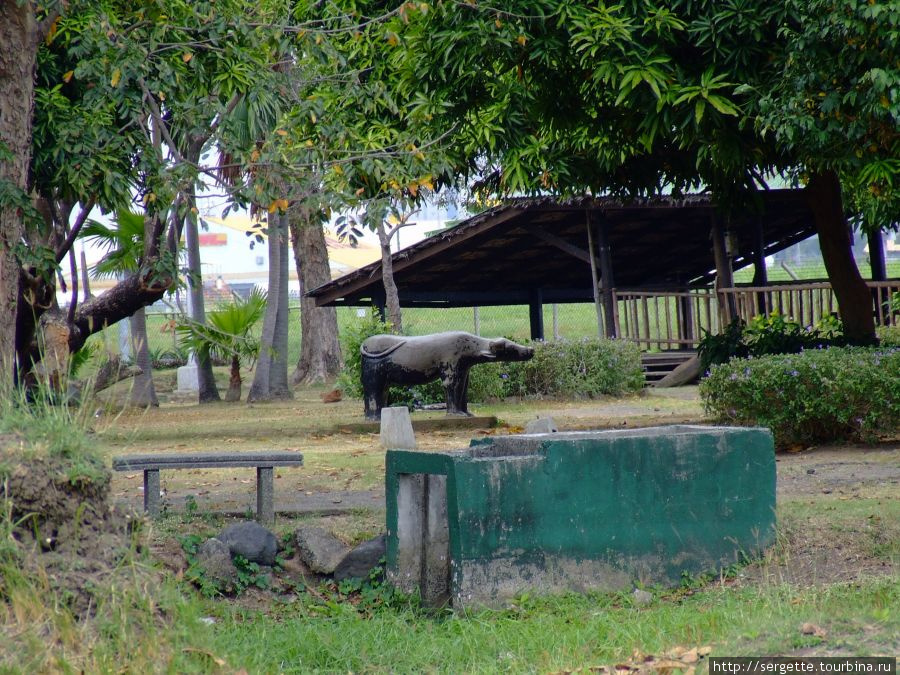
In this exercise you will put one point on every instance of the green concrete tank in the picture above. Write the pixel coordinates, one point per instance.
(577, 511)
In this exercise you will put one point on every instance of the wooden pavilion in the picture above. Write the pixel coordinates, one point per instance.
(658, 270)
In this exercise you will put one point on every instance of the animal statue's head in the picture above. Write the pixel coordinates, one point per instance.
(502, 349)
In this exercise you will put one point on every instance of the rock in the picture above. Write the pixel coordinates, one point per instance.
(359, 562)
(542, 425)
(318, 549)
(252, 541)
(396, 429)
(214, 557)
(641, 597)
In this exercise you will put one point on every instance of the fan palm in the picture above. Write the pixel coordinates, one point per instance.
(124, 244)
(227, 334)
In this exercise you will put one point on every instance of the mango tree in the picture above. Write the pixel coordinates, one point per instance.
(637, 98)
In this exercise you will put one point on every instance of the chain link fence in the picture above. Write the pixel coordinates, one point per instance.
(569, 321)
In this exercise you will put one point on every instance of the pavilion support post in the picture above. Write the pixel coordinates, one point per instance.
(879, 271)
(760, 274)
(687, 319)
(536, 313)
(595, 281)
(724, 277)
(606, 275)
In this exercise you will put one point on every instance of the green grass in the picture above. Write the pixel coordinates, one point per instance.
(568, 632)
(812, 270)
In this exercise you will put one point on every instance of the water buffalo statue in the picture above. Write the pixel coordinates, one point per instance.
(399, 359)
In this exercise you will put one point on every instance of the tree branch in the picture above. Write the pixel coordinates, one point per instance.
(73, 270)
(161, 123)
(66, 246)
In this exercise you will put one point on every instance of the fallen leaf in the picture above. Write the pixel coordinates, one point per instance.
(813, 629)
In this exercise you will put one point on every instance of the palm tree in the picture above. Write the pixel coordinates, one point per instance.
(125, 248)
(227, 334)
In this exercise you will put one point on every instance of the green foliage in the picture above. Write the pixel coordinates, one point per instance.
(373, 593)
(79, 358)
(350, 379)
(889, 336)
(815, 396)
(249, 574)
(589, 367)
(171, 357)
(228, 329)
(772, 334)
(124, 244)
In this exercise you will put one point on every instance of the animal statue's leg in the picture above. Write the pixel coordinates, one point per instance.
(456, 386)
(374, 389)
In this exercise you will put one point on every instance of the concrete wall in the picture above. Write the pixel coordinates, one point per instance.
(578, 511)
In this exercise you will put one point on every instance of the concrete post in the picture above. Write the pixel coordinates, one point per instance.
(151, 491)
(265, 494)
(396, 429)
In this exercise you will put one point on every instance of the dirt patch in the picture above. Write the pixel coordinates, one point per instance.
(64, 528)
(862, 471)
(839, 517)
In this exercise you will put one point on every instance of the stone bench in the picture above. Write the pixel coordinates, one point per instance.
(264, 462)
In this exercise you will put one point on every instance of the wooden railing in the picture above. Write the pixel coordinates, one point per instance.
(805, 303)
(662, 320)
(666, 320)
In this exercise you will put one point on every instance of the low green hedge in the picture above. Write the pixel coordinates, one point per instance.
(840, 393)
(584, 368)
(574, 369)
(888, 336)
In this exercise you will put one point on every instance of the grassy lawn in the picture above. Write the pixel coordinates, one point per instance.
(834, 566)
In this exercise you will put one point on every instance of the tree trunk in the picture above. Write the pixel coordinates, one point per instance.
(260, 388)
(320, 351)
(392, 298)
(143, 393)
(207, 381)
(18, 37)
(278, 377)
(234, 384)
(853, 297)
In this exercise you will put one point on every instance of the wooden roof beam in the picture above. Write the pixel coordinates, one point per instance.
(559, 243)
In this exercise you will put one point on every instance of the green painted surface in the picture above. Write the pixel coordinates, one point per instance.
(652, 504)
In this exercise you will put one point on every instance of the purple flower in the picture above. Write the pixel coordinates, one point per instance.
(504, 376)
(747, 372)
(794, 373)
(733, 376)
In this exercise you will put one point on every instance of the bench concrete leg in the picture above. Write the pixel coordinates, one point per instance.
(265, 495)
(151, 491)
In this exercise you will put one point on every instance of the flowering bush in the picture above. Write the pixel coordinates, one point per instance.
(840, 393)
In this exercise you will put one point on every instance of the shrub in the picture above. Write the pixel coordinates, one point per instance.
(840, 393)
(772, 334)
(350, 379)
(889, 336)
(583, 368)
